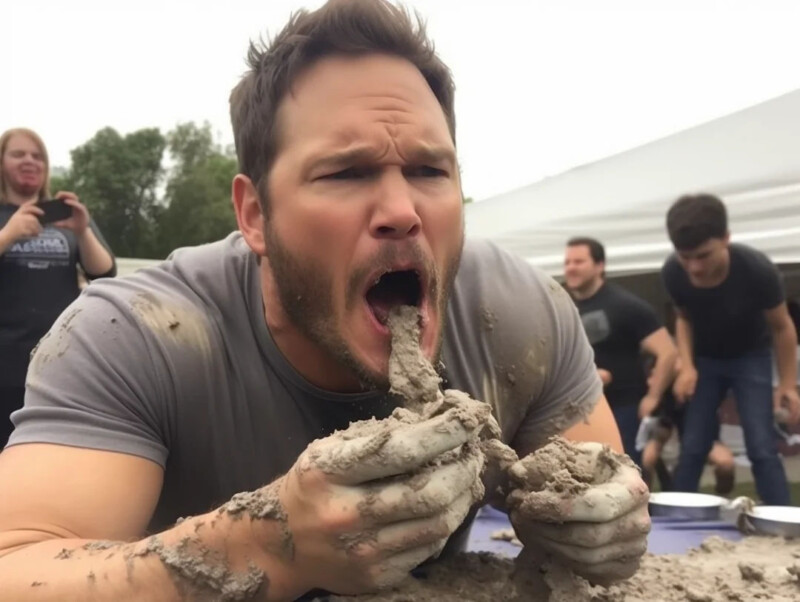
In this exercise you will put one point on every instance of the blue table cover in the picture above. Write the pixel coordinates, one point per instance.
(668, 536)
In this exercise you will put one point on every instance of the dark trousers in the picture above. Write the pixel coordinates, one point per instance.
(627, 417)
(750, 377)
(11, 399)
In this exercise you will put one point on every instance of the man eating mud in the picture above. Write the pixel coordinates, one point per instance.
(177, 437)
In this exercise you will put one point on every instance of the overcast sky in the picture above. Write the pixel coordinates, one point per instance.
(542, 86)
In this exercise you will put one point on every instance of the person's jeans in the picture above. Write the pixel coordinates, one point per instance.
(627, 417)
(750, 377)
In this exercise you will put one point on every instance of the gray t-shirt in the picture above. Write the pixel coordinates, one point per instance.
(176, 364)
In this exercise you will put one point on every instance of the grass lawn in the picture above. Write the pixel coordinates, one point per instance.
(742, 487)
(749, 489)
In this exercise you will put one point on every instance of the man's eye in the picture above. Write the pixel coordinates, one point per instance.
(425, 171)
(351, 173)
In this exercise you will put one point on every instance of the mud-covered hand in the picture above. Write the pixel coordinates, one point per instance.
(597, 525)
(366, 506)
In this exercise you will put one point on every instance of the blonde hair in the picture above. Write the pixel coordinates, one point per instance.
(44, 191)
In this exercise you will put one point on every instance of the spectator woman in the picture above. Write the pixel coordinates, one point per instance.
(38, 260)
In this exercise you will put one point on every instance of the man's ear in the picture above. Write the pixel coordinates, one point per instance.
(727, 238)
(249, 215)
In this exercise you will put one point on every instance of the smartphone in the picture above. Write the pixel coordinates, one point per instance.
(54, 211)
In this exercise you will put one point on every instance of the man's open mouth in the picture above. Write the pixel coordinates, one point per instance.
(392, 289)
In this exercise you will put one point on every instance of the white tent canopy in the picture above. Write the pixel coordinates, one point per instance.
(751, 159)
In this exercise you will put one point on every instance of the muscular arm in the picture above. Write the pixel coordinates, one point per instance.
(600, 427)
(71, 527)
(684, 339)
(784, 341)
(659, 344)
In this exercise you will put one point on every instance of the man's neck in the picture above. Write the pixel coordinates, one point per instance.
(590, 290)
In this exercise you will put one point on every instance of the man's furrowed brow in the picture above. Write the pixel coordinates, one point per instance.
(431, 155)
(361, 155)
(368, 155)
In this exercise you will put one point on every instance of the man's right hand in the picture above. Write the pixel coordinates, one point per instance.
(24, 223)
(364, 509)
(685, 384)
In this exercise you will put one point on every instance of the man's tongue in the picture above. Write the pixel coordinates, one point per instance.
(382, 299)
(382, 306)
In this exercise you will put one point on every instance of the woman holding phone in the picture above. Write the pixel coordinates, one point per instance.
(43, 238)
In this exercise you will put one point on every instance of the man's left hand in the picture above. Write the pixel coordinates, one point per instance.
(599, 532)
(787, 400)
(79, 221)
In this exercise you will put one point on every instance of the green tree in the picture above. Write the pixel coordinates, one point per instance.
(117, 178)
(59, 181)
(197, 203)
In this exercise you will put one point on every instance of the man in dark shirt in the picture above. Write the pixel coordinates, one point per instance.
(730, 304)
(619, 326)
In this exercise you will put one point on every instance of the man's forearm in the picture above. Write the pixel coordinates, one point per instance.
(95, 258)
(663, 373)
(683, 340)
(784, 341)
(205, 557)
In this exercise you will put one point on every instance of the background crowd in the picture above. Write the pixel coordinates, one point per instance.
(733, 331)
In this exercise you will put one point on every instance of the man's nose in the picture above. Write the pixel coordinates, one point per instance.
(395, 214)
(695, 267)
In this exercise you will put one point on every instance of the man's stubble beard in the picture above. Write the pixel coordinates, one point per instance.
(304, 290)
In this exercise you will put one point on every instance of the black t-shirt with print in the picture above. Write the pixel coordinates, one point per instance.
(616, 321)
(728, 320)
(38, 280)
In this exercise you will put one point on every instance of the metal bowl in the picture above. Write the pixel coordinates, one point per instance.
(783, 521)
(686, 506)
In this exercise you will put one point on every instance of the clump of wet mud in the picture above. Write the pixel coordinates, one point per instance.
(544, 483)
(415, 380)
(557, 473)
(711, 573)
(411, 375)
(202, 571)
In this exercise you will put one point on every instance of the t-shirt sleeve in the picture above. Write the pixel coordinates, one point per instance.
(572, 387)
(515, 340)
(95, 382)
(769, 283)
(671, 274)
(641, 318)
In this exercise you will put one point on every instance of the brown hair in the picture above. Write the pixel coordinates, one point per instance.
(694, 219)
(596, 249)
(346, 27)
(44, 192)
